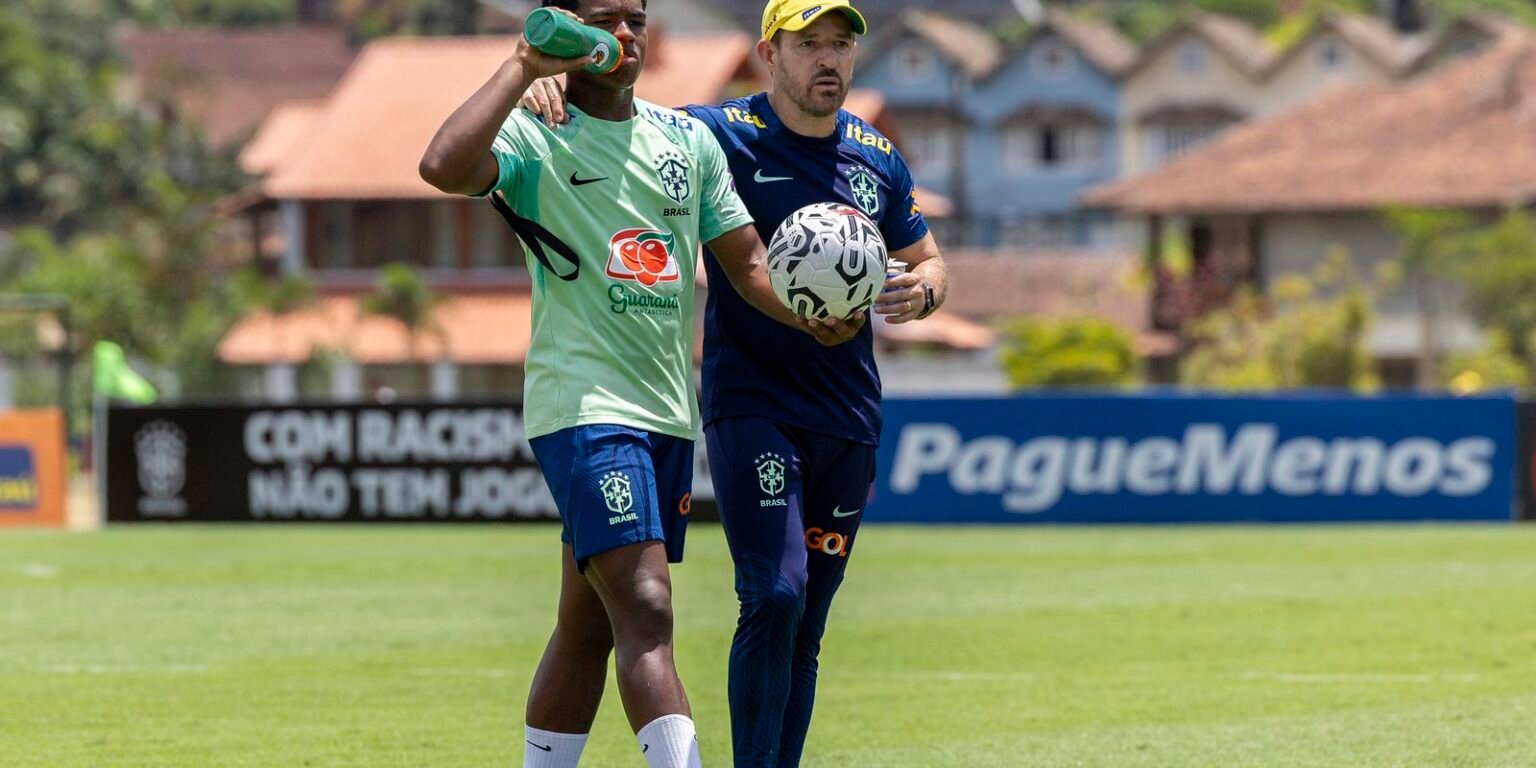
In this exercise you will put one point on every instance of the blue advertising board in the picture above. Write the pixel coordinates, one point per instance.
(1196, 459)
(18, 478)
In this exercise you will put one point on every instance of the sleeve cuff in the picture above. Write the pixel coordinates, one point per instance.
(728, 225)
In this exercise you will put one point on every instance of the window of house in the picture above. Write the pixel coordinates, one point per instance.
(445, 233)
(1331, 56)
(1018, 149)
(1465, 46)
(406, 381)
(1168, 140)
(385, 232)
(494, 244)
(930, 145)
(491, 381)
(1051, 60)
(1192, 57)
(914, 61)
(1082, 146)
(336, 228)
(1048, 146)
(1039, 232)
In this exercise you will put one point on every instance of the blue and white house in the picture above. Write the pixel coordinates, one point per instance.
(1043, 130)
(1011, 136)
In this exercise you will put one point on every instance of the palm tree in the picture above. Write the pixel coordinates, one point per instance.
(1431, 241)
(400, 293)
(284, 296)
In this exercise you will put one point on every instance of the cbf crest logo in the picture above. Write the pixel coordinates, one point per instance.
(672, 169)
(616, 492)
(866, 191)
(770, 478)
(161, 450)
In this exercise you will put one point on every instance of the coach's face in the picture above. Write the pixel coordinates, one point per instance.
(813, 67)
(625, 20)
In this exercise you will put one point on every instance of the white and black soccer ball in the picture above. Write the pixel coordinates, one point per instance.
(827, 260)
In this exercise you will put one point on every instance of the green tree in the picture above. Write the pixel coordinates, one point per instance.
(1069, 352)
(1494, 366)
(279, 297)
(1432, 241)
(1448, 10)
(117, 198)
(1500, 278)
(1293, 338)
(214, 13)
(401, 294)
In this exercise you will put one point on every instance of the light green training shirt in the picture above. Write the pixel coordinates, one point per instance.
(623, 207)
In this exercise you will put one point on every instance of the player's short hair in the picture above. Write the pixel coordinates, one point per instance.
(570, 5)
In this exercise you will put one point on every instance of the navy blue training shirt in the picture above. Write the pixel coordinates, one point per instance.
(753, 365)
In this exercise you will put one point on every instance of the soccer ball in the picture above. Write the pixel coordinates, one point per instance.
(827, 260)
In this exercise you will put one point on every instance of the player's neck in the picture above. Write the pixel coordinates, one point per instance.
(796, 120)
(601, 103)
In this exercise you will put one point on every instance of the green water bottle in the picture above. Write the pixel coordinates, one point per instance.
(556, 34)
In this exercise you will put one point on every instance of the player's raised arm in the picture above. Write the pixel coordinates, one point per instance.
(745, 259)
(459, 159)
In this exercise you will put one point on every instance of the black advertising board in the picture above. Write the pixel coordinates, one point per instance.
(1525, 471)
(404, 463)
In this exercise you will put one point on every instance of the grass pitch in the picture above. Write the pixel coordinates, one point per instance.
(1165, 647)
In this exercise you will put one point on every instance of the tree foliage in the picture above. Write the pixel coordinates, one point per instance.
(106, 203)
(400, 293)
(1296, 338)
(1493, 366)
(1143, 20)
(1069, 352)
(1499, 274)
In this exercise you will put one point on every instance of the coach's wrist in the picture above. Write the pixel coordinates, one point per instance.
(930, 301)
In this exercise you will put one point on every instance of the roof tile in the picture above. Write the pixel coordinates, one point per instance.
(1462, 136)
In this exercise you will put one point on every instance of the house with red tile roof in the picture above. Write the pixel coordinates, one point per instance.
(226, 81)
(1276, 195)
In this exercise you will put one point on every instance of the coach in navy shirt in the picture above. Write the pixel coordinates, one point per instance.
(792, 425)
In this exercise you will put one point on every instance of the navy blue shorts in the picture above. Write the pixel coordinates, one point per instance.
(617, 486)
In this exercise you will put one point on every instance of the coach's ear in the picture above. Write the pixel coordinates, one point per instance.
(768, 54)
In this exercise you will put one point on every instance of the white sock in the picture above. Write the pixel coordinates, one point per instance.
(546, 749)
(670, 742)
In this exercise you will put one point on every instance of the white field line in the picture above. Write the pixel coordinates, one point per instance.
(123, 669)
(1347, 678)
(38, 571)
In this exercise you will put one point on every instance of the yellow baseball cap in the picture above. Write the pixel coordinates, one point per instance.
(795, 15)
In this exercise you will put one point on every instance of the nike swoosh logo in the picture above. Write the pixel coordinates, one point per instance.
(838, 512)
(761, 179)
(575, 182)
(644, 748)
(541, 746)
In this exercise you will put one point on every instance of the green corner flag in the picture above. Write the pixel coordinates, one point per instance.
(112, 376)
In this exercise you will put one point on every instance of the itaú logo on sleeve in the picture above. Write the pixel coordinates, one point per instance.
(1032, 476)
